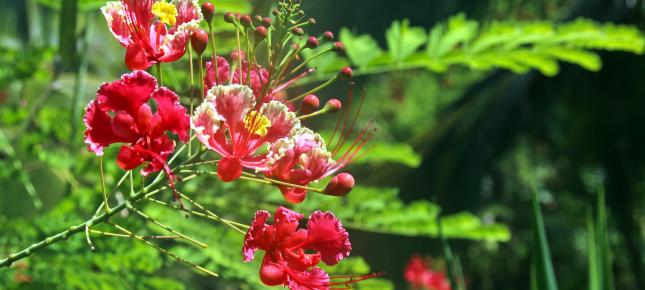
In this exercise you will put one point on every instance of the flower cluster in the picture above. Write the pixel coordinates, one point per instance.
(419, 273)
(245, 115)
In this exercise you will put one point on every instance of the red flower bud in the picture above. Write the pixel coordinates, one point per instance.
(309, 104)
(229, 17)
(199, 40)
(260, 33)
(207, 10)
(340, 185)
(297, 31)
(246, 20)
(266, 21)
(338, 46)
(346, 73)
(237, 55)
(333, 105)
(328, 35)
(312, 42)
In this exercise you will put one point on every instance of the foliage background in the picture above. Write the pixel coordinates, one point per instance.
(468, 142)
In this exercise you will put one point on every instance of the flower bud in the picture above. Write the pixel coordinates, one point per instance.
(297, 31)
(312, 42)
(346, 73)
(309, 104)
(266, 21)
(199, 40)
(340, 185)
(261, 33)
(237, 55)
(333, 106)
(258, 18)
(312, 20)
(328, 35)
(207, 10)
(229, 17)
(338, 47)
(246, 21)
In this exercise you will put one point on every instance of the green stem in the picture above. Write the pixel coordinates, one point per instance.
(159, 73)
(166, 252)
(192, 93)
(109, 234)
(165, 227)
(105, 199)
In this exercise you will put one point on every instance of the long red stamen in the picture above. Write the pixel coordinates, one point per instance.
(351, 126)
(343, 116)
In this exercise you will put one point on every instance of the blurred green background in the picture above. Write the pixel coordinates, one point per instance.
(469, 135)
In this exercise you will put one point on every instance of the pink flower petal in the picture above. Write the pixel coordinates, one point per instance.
(115, 16)
(173, 114)
(327, 236)
(127, 94)
(254, 238)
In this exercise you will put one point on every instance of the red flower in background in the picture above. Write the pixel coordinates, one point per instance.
(230, 123)
(120, 114)
(152, 31)
(258, 80)
(285, 261)
(418, 272)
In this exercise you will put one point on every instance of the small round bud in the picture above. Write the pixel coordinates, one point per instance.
(207, 10)
(338, 46)
(340, 185)
(237, 55)
(312, 20)
(261, 33)
(309, 104)
(333, 106)
(275, 12)
(229, 17)
(346, 73)
(312, 42)
(328, 35)
(297, 31)
(199, 40)
(246, 20)
(258, 18)
(295, 46)
(266, 21)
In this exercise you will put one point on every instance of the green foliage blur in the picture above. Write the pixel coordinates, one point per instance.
(480, 107)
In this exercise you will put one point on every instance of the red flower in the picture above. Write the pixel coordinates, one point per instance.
(231, 123)
(258, 81)
(304, 157)
(152, 31)
(420, 275)
(285, 261)
(120, 114)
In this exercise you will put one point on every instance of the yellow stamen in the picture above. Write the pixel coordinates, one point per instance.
(166, 12)
(257, 123)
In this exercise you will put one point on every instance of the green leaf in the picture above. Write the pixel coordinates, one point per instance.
(403, 40)
(362, 49)
(458, 31)
(380, 210)
(400, 153)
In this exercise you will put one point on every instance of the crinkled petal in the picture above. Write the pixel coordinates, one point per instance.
(174, 44)
(327, 236)
(127, 94)
(286, 222)
(187, 11)
(318, 162)
(115, 16)
(255, 236)
(207, 123)
(136, 57)
(232, 102)
(173, 114)
(283, 121)
(314, 279)
(98, 132)
(222, 73)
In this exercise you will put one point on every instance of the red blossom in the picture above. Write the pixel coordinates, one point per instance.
(120, 114)
(292, 254)
(151, 38)
(231, 123)
(419, 273)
